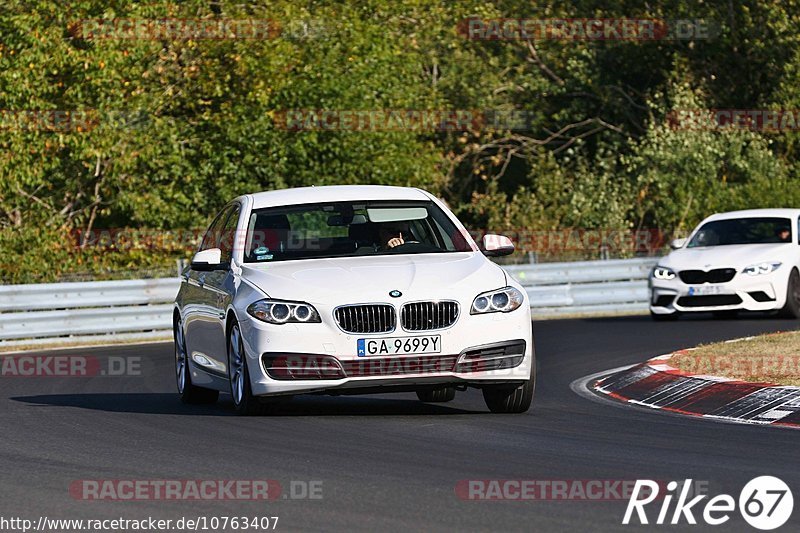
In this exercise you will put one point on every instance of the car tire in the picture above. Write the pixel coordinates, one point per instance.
(665, 318)
(792, 307)
(505, 399)
(244, 402)
(439, 395)
(189, 393)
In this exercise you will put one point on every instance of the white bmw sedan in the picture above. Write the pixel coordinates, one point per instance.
(349, 290)
(742, 260)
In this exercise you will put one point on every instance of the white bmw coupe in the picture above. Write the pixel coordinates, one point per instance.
(742, 260)
(349, 290)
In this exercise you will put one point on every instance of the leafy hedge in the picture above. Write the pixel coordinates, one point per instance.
(164, 131)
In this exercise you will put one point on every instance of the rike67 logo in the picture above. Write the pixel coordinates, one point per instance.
(765, 503)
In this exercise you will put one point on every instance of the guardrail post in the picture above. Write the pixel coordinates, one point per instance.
(181, 264)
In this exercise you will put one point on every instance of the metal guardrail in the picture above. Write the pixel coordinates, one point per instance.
(587, 287)
(87, 311)
(87, 294)
(142, 309)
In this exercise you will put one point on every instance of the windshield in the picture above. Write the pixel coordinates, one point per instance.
(347, 229)
(742, 231)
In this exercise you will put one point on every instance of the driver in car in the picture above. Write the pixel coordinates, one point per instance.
(391, 234)
(784, 234)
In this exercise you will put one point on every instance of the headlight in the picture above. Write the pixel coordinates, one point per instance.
(660, 272)
(281, 312)
(761, 268)
(499, 301)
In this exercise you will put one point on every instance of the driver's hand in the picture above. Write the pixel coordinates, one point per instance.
(395, 241)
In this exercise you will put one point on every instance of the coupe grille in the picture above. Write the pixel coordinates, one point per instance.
(718, 275)
(712, 300)
(422, 316)
(368, 318)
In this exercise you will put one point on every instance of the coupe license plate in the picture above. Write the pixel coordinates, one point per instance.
(705, 290)
(400, 345)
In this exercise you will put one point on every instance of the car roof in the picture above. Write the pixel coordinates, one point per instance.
(750, 213)
(333, 193)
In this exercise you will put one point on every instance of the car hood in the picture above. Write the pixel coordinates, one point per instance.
(730, 256)
(370, 279)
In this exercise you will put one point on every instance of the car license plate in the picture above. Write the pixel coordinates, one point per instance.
(400, 345)
(705, 290)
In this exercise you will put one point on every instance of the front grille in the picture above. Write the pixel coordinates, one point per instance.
(423, 316)
(718, 275)
(715, 300)
(366, 318)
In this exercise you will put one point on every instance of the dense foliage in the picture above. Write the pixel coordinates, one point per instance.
(165, 130)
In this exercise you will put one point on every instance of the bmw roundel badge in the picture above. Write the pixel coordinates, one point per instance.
(395, 294)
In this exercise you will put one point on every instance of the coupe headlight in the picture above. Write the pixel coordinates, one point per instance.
(660, 272)
(761, 268)
(499, 301)
(282, 312)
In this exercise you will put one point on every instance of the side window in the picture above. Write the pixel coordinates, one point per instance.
(228, 234)
(211, 238)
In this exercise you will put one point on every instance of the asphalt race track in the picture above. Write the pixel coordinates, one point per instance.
(386, 463)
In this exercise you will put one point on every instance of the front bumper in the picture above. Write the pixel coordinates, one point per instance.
(743, 292)
(478, 349)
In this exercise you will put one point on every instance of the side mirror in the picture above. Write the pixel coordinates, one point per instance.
(207, 260)
(496, 245)
(677, 243)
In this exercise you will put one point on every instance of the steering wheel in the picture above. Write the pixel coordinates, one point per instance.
(408, 245)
